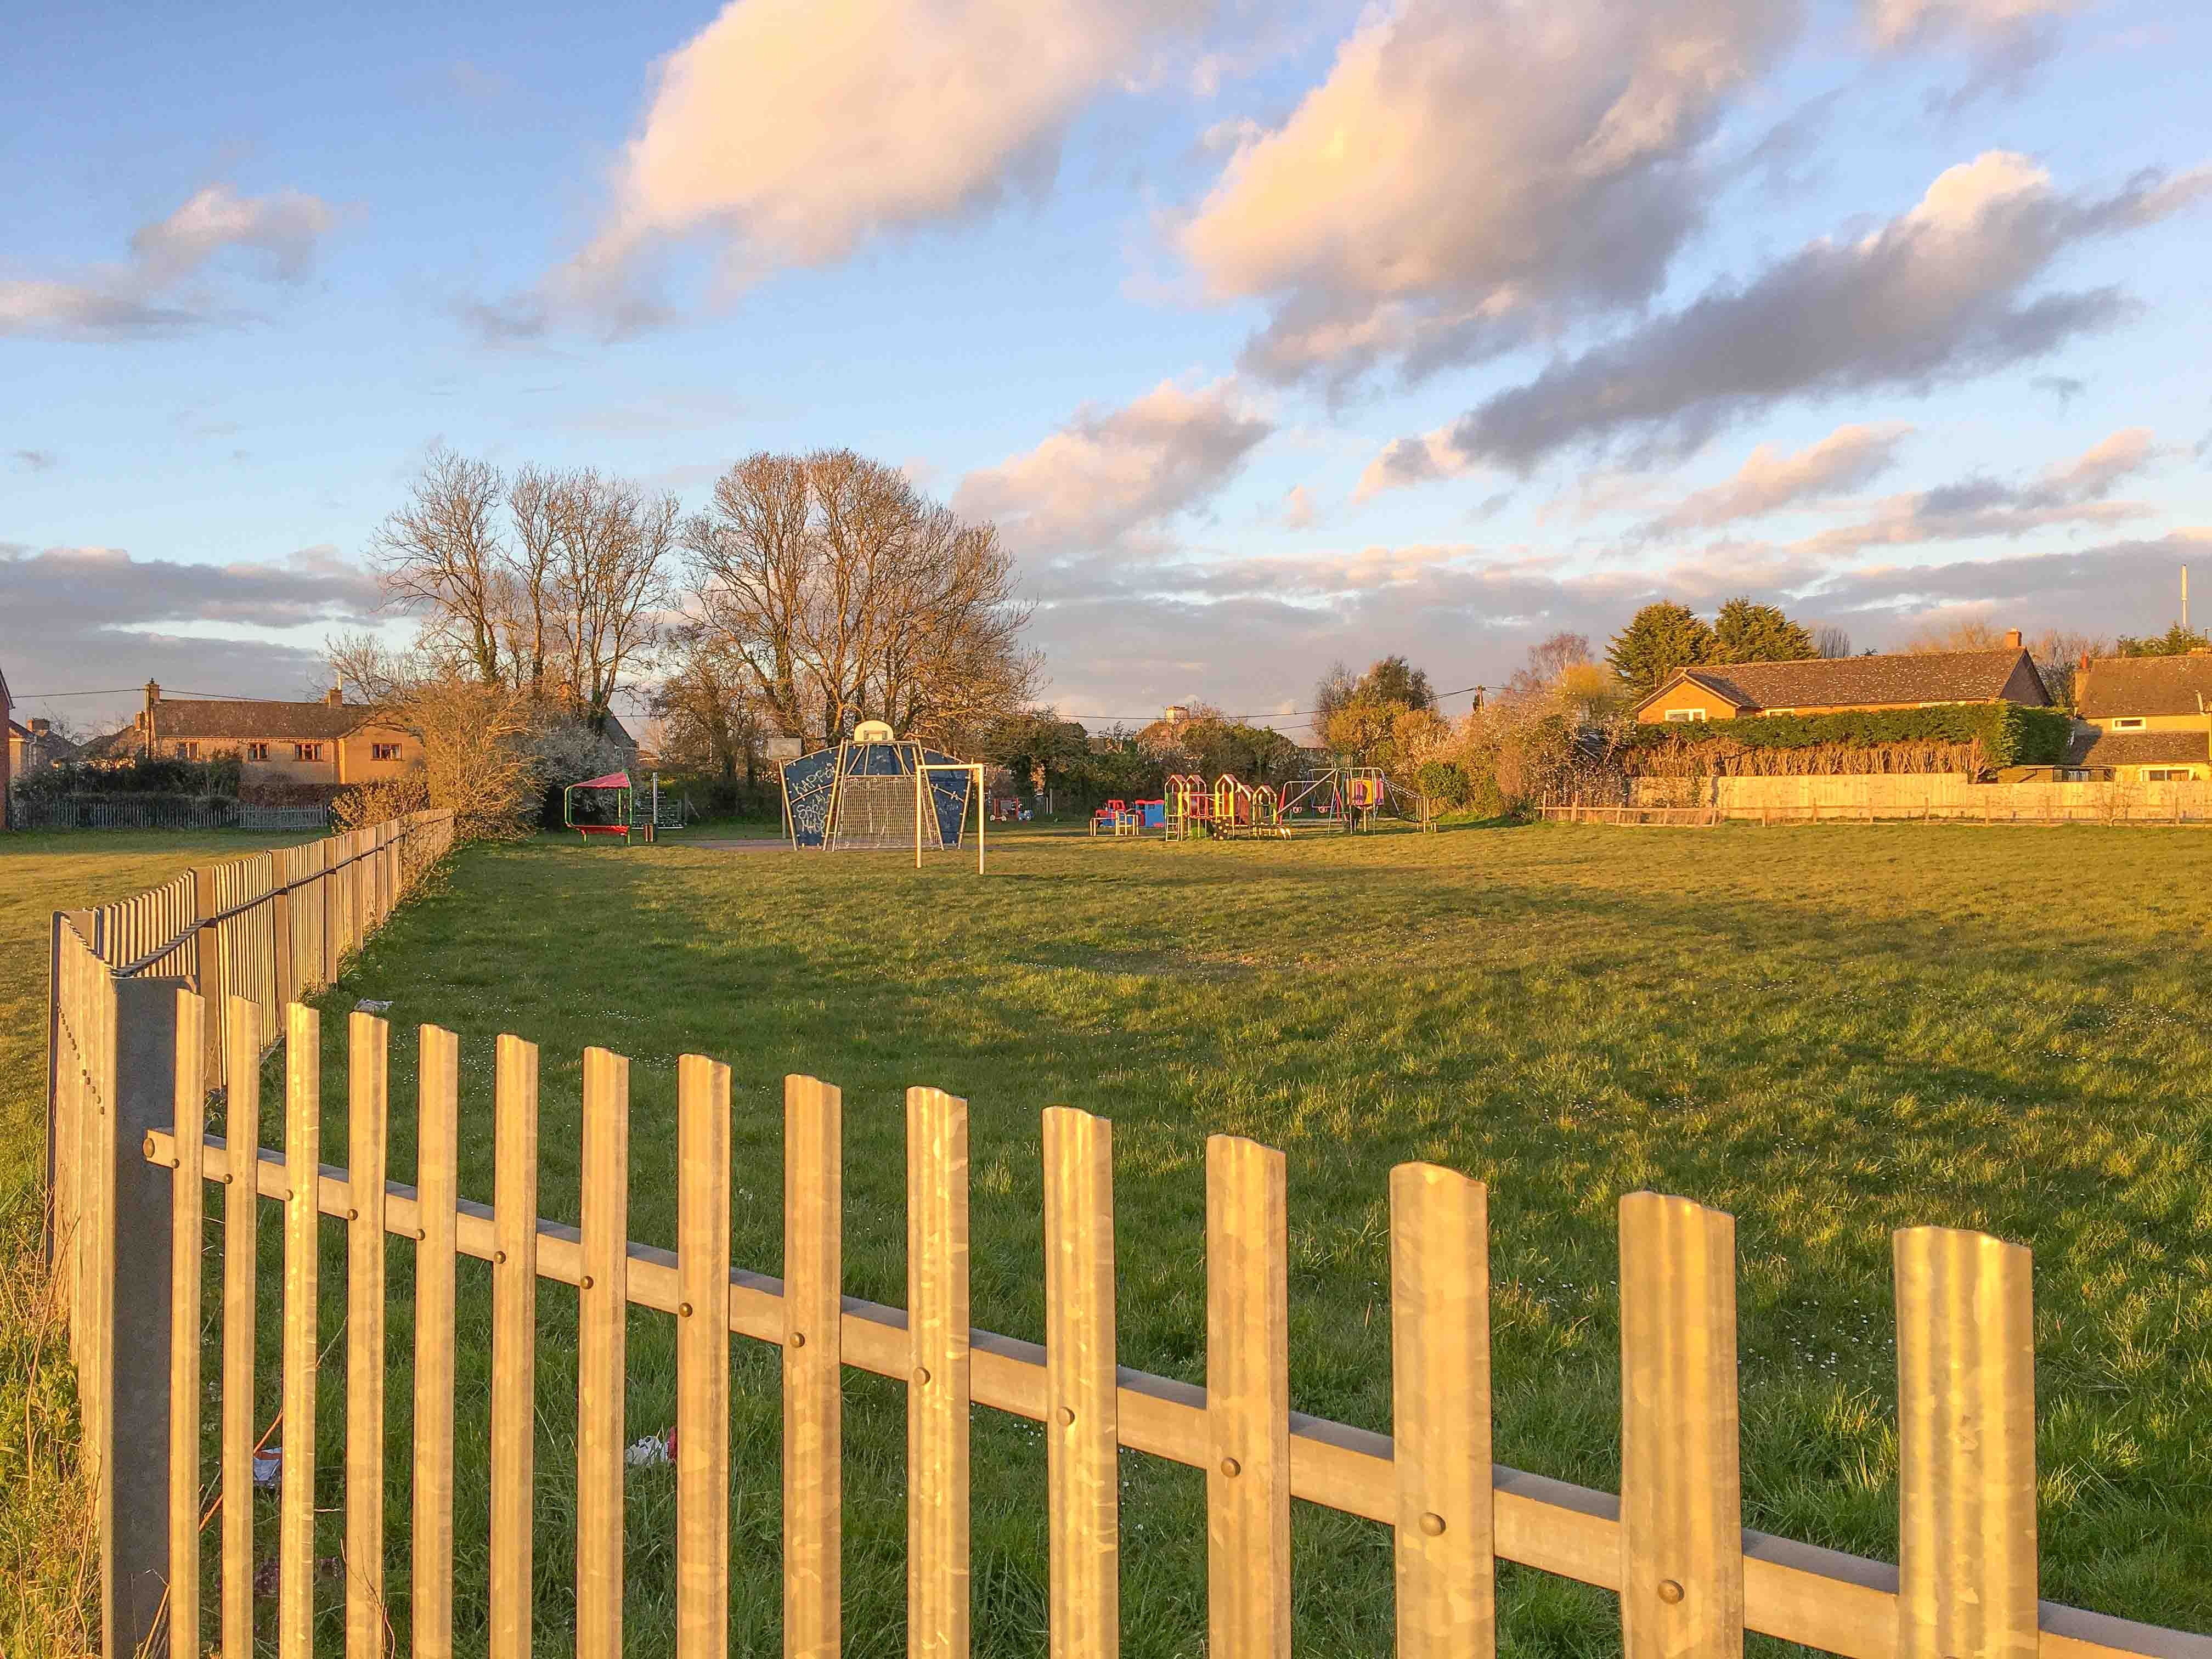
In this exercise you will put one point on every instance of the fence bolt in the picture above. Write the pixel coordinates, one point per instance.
(685, 1309)
(1433, 1524)
(922, 1376)
(586, 1284)
(1067, 1417)
(500, 1257)
(1231, 1466)
(799, 1338)
(351, 1214)
(1670, 1591)
(149, 1148)
(420, 1235)
(226, 1177)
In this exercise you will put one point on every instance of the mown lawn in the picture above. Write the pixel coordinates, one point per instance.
(42, 1602)
(1828, 1032)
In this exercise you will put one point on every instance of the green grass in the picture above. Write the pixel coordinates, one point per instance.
(44, 1559)
(1829, 1033)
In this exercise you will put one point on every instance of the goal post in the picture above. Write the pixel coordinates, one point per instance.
(922, 792)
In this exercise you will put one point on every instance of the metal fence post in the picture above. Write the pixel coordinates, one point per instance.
(134, 1486)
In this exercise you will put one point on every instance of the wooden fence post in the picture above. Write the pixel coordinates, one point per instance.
(436, 1155)
(135, 1225)
(282, 979)
(514, 1348)
(207, 970)
(1681, 1504)
(188, 1239)
(938, 1594)
(1965, 1443)
(242, 1133)
(1248, 1405)
(303, 1144)
(814, 1451)
(367, 1105)
(1440, 1413)
(603, 1348)
(1083, 1434)
(702, 1358)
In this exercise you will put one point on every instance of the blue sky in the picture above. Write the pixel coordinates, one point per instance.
(1269, 335)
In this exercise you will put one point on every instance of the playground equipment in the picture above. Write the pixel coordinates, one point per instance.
(877, 790)
(598, 806)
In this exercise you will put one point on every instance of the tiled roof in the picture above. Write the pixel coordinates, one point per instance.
(2143, 686)
(235, 722)
(1850, 681)
(2136, 749)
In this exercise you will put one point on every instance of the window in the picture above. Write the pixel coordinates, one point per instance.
(1686, 714)
(384, 752)
(188, 751)
(2131, 723)
(2169, 773)
(307, 751)
(257, 751)
(2070, 775)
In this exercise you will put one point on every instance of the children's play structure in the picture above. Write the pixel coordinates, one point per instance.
(1342, 799)
(878, 791)
(598, 806)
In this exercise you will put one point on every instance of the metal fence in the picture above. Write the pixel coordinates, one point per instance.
(43, 812)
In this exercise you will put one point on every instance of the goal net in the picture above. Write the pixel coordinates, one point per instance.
(876, 811)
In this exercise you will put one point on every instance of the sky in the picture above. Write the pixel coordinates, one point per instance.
(1269, 335)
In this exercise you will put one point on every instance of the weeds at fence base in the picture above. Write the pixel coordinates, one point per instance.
(48, 1559)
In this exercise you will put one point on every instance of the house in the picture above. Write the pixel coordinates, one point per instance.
(7, 750)
(1831, 685)
(34, 745)
(330, 743)
(2144, 719)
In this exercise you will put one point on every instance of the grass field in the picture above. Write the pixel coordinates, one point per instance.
(1827, 1032)
(42, 1602)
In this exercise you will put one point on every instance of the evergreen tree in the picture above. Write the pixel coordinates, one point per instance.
(2176, 642)
(1659, 638)
(1744, 632)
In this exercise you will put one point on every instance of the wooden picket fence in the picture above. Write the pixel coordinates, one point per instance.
(1690, 1580)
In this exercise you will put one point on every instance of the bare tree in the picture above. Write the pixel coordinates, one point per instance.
(710, 714)
(1832, 641)
(443, 554)
(610, 547)
(847, 594)
(1549, 661)
(529, 499)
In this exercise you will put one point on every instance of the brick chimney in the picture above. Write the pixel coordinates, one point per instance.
(40, 728)
(2011, 639)
(336, 695)
(2083, 665)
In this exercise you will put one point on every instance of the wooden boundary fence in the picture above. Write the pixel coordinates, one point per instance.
(259, 932)
(1691, 1581)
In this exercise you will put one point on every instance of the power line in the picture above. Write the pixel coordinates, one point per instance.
(1288, 714)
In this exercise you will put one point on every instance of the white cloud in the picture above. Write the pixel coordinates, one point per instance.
(1769, 480)
(1299, 510)
(144, 296)
(1467, 173)
(1937, 295)
(1113, 478)
(798, 129)
(1902, 22)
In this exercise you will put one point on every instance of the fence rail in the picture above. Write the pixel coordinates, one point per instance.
(1691, 1579)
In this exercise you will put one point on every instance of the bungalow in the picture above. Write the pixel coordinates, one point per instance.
(1832, 685)
(330, 743)
(2146, 718)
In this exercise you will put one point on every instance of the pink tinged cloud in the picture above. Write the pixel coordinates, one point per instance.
(1111, 480)
(1769, 480)
(1422, 204)
(1895, 23)
(798, 129)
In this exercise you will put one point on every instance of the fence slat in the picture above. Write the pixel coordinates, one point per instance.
(437, 1150)
(938, 1599)
(702, 1358)
(1965, 1392)
(367, 1108)
(813, 1461)
(242, 1127)
(514, 1348)
(602, 1355)
(1247, 1488)
(1681, 1504)
(187, 1257)
(1082, 1420)
(303, 1133)
(1447, 1568)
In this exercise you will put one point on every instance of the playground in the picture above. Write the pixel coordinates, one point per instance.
(1782, 1026)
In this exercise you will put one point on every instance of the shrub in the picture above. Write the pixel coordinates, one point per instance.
(1969, 737)
(381, 800)
(1443, 782)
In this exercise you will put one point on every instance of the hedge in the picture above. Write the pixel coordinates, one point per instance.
(2002, 734)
